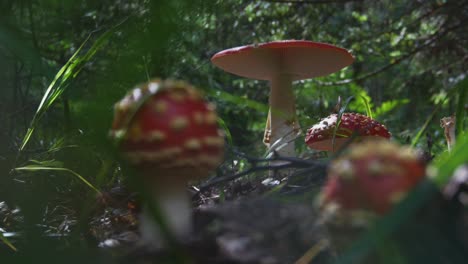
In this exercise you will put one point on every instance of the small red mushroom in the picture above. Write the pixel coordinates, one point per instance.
(372, 177)
(169, 133)
(320, 135)
(281, 63)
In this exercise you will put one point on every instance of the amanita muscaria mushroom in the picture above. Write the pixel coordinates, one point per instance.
(169, 133)
(320, 135)
(372, 177)
(363, 184)
(281, 63)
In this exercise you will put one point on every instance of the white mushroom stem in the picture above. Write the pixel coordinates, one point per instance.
(448, 124)
(174, 203)
(282, 115)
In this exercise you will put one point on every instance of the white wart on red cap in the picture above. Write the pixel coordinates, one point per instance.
(320, 135)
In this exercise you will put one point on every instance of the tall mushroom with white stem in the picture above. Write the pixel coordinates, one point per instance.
(281, 63)
(169, 133)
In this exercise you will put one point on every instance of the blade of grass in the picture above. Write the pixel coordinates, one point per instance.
(63, 78)
(313, 252)
(42, 168)
(447, 162)
(338, 119)
(222, 124)
(52, 93)
(425, 125)
(366, 104)
(7, 242)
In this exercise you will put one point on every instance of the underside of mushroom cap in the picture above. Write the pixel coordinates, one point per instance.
(300, 59)
(320, 136)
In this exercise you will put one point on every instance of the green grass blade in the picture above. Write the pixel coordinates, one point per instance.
(223, 125)
(7, 242)
(51, 94)
(446, 163)
(61, 73)
(366, 104)
(39, 168)
(63, 77)
(425, 125)
(338, 122)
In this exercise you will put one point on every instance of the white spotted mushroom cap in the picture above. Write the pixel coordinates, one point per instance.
(320, 135)
(167, 126)
(373, 176)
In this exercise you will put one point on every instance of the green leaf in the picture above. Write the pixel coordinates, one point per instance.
(239, 100)
(363, 102)
(388, 106)
(45, 168)
(395, 53)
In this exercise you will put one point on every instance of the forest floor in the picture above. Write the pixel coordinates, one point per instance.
(254, 215)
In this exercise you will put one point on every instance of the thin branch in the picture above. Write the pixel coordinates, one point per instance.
(291, 162)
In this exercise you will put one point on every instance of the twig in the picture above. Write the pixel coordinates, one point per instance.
(448, 124)
(313, 252)
(291, 162)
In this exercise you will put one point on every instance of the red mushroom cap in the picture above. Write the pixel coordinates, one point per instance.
(320, 135)
(299, 58)
(373, 176)
(166, 126)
